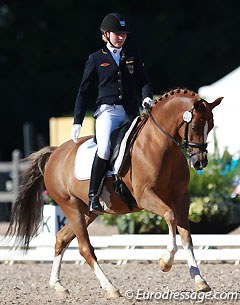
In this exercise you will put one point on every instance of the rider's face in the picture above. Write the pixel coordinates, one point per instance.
(117, 39)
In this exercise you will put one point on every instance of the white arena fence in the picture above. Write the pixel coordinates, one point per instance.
(120, 248)
(14, 169)
(123, 248)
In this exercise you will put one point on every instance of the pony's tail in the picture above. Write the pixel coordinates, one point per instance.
(27, 211)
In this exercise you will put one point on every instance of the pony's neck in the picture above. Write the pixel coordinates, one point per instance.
(169, 112)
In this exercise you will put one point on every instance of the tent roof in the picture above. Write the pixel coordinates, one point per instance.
(227, 114)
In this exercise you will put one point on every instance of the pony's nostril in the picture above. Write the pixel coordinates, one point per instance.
(198, 165)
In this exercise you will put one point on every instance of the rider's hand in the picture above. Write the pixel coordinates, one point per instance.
(75, 132)
(147, 101)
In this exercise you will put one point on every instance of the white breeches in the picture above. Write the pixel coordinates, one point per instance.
(108, 118)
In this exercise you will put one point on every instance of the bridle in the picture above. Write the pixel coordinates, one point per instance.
(185, 144)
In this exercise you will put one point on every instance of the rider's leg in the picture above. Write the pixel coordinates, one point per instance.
(99, 168)
(109, 117)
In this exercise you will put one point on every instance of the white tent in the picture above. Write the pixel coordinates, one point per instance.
(227, 114)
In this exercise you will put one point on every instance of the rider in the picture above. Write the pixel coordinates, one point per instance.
(118, 74)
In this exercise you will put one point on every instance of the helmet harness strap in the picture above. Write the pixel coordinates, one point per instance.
(108, 39)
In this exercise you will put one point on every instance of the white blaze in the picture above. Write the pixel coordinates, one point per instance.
(205, 132)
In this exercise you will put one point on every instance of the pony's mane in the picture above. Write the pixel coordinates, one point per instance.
(165, 96)
(175, 92)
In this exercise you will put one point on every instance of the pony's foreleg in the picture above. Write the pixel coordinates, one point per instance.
(166, 261)
(151, 202)
(200, 282)
(63, 239)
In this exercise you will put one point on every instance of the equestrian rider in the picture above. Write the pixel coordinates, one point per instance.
(119, 75)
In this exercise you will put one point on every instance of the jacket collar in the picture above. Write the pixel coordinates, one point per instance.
(105, 50)
(113, 50)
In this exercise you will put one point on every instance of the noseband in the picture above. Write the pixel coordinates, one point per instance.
(185, 144)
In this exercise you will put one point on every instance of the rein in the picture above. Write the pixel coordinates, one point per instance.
(185, 144)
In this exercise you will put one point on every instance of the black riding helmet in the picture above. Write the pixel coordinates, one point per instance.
(114, 22)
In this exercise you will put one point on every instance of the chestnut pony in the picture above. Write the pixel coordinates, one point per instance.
(157, 175)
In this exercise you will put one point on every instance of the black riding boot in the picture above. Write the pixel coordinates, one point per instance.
(99, 168)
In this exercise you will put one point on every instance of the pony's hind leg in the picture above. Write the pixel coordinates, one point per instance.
(87, 251)
(63, 239)
(200, 282)
(79, 222)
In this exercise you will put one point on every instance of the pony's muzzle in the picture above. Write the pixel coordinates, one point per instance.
(198, 160)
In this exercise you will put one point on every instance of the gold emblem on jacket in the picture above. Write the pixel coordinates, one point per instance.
(130, 66)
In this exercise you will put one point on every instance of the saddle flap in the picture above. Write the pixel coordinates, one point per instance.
(120, 144)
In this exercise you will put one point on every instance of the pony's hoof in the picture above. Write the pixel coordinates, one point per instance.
(113, 294)
(202, 286)
(63, 293)
(163, 266)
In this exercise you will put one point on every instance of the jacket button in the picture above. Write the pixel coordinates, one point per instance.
(120, 97)
(119, 73)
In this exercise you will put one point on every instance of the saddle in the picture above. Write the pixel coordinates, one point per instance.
(116, 140)
(122, 140)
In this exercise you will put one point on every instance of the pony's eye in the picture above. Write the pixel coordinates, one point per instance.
(194, 127)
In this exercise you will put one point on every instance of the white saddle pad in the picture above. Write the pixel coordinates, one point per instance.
(86, 152)
(84, 160)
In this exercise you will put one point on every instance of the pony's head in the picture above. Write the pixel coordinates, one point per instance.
(199, 122)
(193, 125)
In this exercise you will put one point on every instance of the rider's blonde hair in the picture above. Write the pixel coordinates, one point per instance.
(104, 37)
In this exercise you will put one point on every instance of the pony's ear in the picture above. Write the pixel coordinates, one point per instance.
(197, 104)
(216, 102)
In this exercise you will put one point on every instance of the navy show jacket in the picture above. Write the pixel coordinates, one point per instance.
(126, 84)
